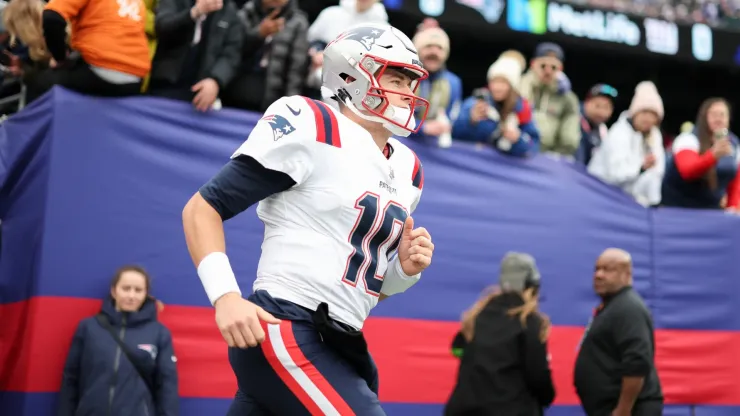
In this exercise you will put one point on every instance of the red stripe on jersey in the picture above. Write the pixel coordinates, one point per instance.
(336, 140)
(319, 118)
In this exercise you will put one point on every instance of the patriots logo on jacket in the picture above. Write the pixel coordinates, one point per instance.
(367, 36)
(280, 126)
(151, 349)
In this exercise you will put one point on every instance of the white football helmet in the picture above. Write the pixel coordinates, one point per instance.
(356, 59)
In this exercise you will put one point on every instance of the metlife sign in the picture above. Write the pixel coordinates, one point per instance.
(697, 42)
(539, 17)
(564, 22)
(661, 36)
(592, 24)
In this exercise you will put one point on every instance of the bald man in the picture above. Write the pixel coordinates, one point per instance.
(615, 369)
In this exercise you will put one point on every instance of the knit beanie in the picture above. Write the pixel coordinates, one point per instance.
(518, 270)
(433, 36)
(509, 68)
(646, 98)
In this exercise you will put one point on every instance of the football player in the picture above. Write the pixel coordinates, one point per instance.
(335, 193)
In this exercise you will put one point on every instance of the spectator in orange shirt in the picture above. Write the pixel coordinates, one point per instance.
(110, 38)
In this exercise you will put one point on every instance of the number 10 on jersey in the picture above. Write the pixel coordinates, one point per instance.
(376, 233)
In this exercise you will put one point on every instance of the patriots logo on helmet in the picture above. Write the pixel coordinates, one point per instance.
(367, 36)
(280, 126)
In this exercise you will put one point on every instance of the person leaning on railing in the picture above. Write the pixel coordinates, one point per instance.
(702, 167)
(109, 37)
(26, 55)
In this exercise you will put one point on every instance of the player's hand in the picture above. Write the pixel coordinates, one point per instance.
(239, 321)
(206, 94)
(415, 249)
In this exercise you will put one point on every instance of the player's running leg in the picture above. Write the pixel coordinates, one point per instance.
(294, 372)
(244, 405)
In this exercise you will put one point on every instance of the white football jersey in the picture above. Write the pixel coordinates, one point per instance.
(330, 237)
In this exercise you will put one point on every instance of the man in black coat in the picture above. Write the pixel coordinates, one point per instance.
(615, 369)
(199, 46)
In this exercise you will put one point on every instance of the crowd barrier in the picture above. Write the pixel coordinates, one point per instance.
(88, 184)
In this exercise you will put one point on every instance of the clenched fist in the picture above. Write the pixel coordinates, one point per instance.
(415, 249)
(239, 321)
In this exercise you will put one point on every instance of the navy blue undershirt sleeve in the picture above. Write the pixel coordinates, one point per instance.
(242, 183)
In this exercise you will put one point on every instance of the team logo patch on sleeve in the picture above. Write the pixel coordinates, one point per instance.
(280, 126)
(151, 349)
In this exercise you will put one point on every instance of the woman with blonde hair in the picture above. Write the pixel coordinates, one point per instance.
(22, 22)
(504, 366)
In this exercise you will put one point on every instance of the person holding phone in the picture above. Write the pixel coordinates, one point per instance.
(498, 115)
(198, 50)
(274, 60)
(703, 165)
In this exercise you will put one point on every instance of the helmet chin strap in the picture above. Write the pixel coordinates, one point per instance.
(397, 114)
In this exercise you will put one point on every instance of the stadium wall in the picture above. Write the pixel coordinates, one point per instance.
(88, 184)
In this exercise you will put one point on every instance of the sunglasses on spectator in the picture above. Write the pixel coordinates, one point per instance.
(603, 90)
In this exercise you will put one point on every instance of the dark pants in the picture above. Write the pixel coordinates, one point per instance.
(295, 372)
(641, 408)
(77, 76)
(648, 408)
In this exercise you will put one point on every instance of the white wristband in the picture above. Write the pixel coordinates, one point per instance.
(217, 277)
(395, 280)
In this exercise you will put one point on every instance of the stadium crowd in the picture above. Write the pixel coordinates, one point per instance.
(724, 13)
(217, 53)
